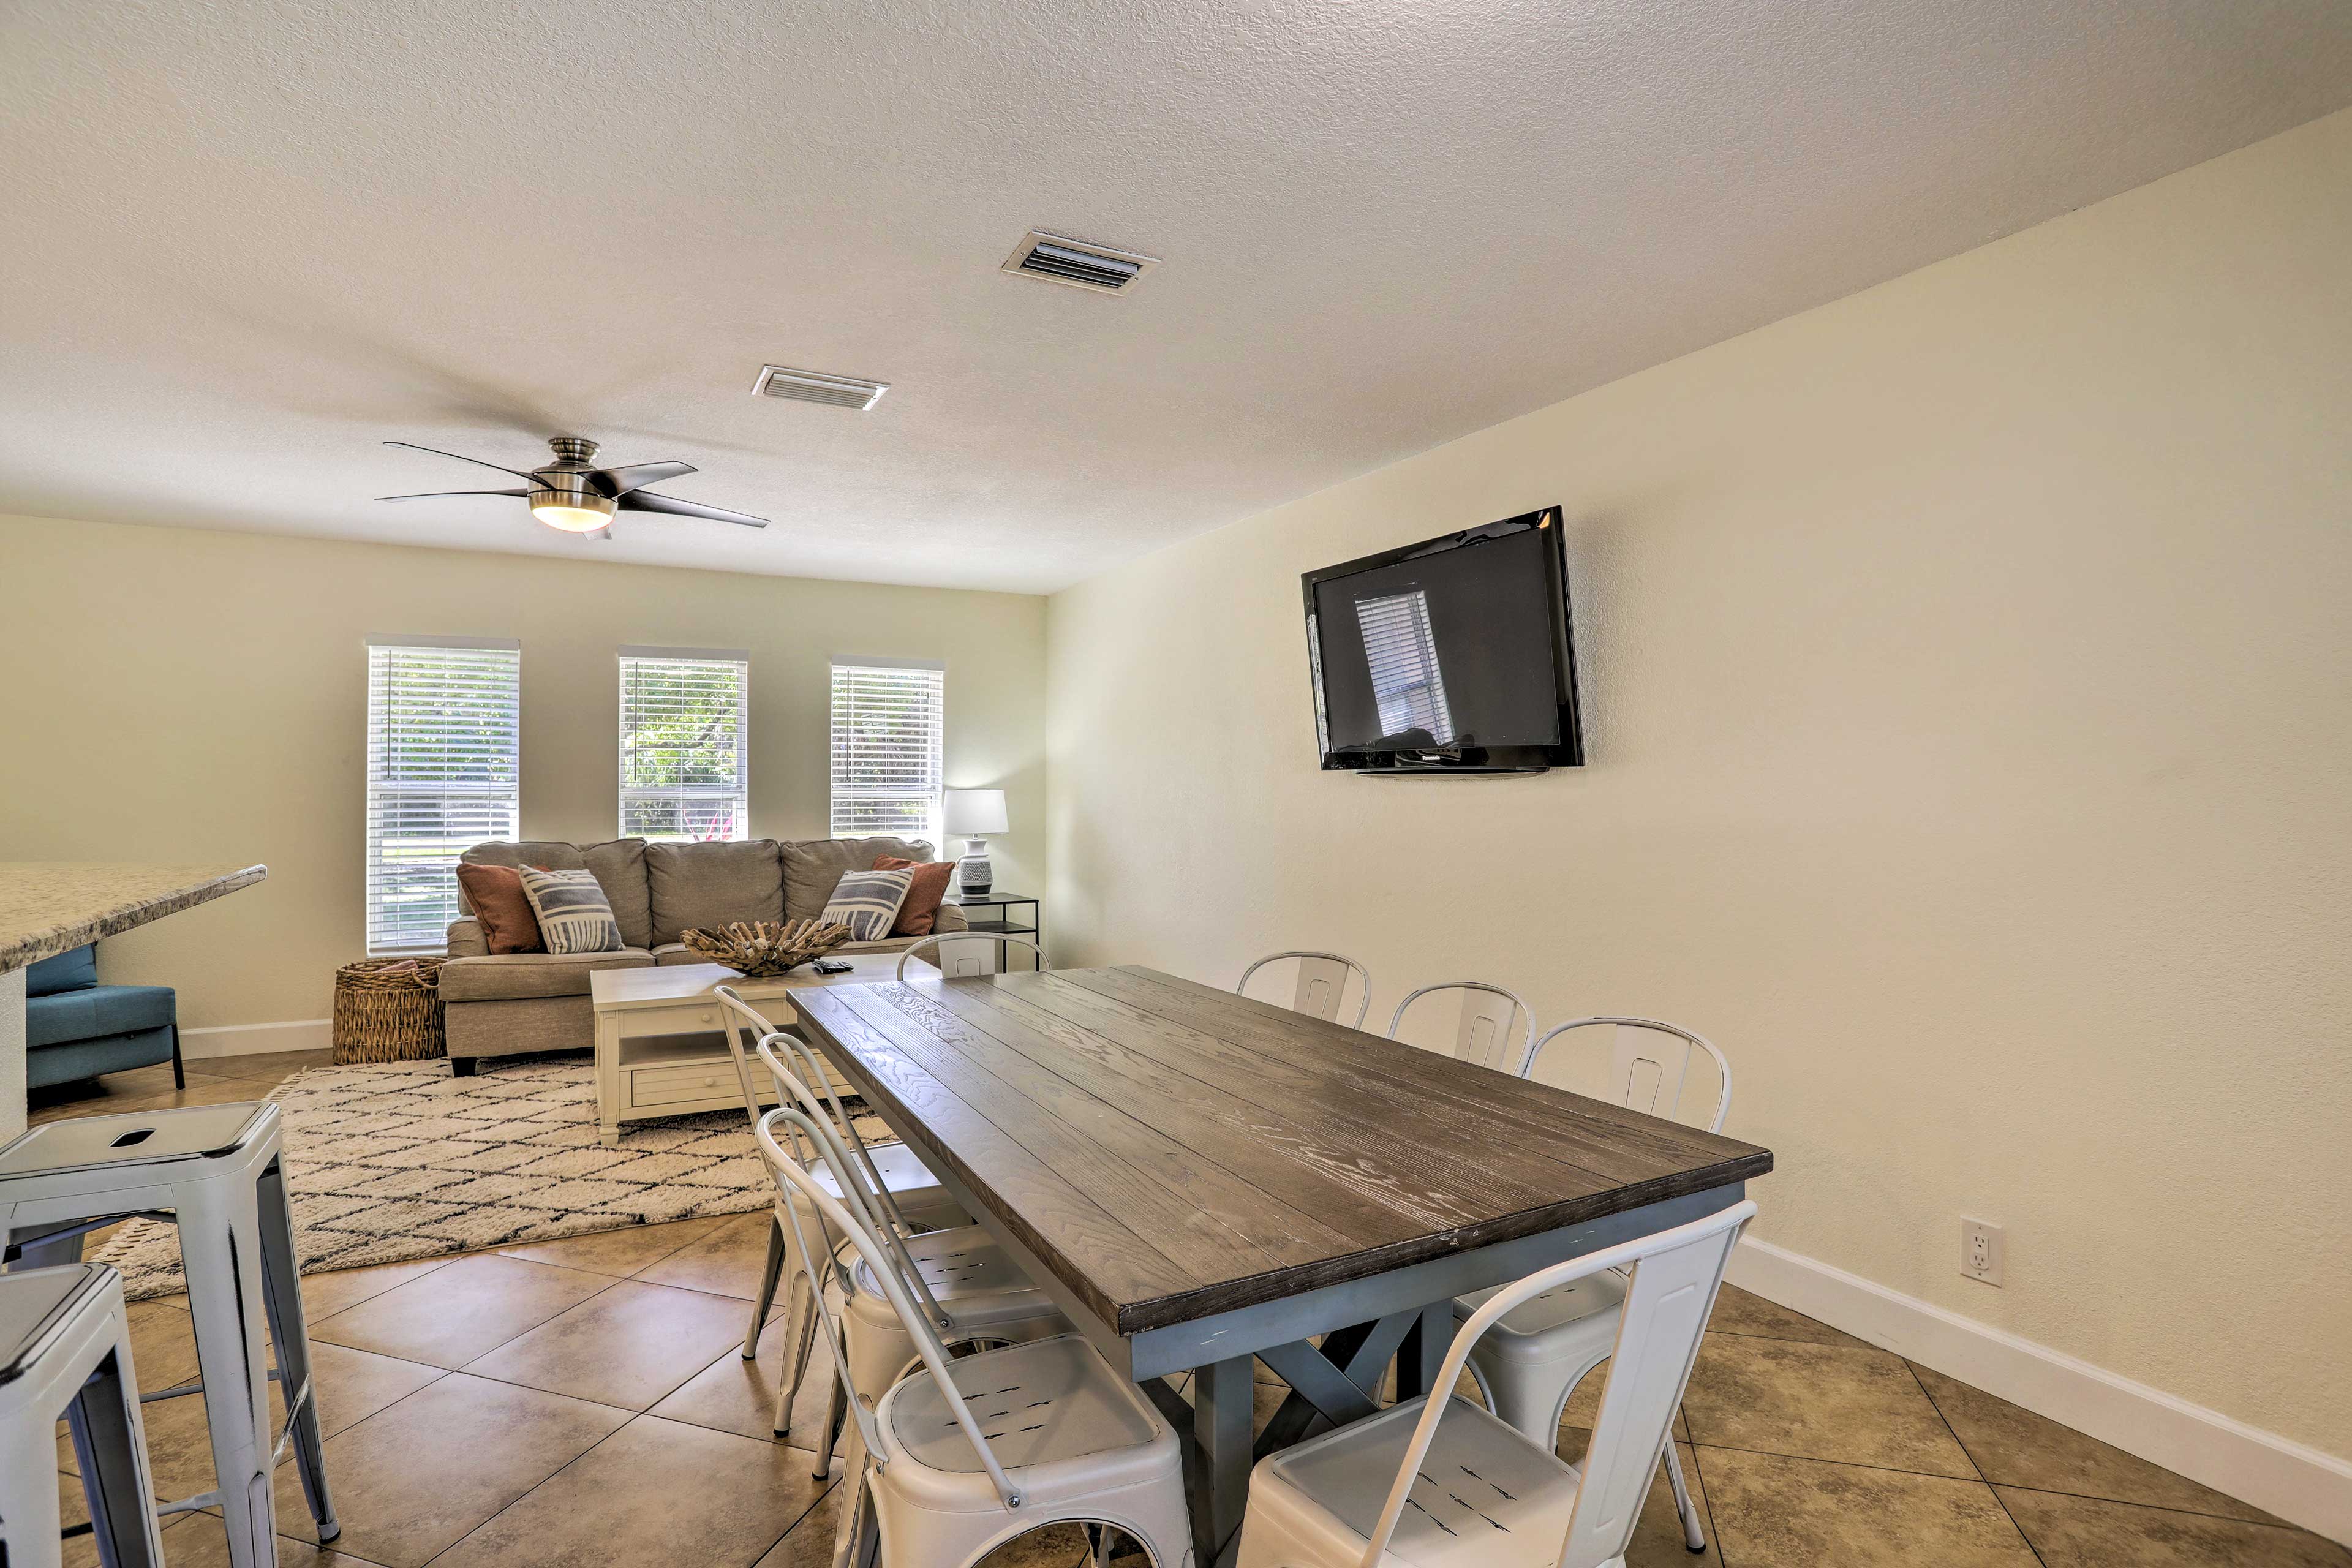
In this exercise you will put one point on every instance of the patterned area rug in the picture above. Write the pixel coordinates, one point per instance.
(394, 1161)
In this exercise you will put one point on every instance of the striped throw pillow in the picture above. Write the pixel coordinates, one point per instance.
(868, 902)
(573, 913)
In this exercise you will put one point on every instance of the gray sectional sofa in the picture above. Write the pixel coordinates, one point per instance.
(516, 1003)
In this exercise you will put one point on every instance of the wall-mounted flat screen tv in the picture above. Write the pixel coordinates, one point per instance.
(1452, 656)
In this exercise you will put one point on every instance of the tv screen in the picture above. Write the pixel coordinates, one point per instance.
(1449, 655)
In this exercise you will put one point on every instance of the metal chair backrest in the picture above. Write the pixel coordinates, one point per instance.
(928, 1344)
(744, 1022)
(747, 1020)
(1671, 1291)
(1648, 1068)
(861, 1182)
(1322, 986)
(935, 939)
(1490, 1016)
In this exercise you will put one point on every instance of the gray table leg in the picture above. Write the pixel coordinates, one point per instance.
(1223, 1395)
(1424, 1348)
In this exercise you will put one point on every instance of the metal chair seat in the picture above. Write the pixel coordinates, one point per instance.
(1485, 1497)
(78, 1152)
(1044, 1403)
(969, 1272)
(910, 1182)
(1552, 1326)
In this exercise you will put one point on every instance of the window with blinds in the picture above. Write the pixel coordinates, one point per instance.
(886, 750)
(684, 768)
(1406, 681)
(444, 773)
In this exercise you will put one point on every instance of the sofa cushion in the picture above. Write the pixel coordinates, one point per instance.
(813, 866)
(545, 853)
(95, 1012)
(867, 903)
(514, 976)
(501, 908)
(704, 886)
(69, 971)
(619, 865)
(574, 916)
(920, 912)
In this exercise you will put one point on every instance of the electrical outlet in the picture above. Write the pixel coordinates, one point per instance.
(1984, 1247)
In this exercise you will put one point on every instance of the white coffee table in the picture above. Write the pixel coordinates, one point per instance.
(655, 1054)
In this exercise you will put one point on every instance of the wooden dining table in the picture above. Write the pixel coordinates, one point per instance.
(1198, 1179)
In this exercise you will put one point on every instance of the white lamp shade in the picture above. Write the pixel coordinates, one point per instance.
(978, 812)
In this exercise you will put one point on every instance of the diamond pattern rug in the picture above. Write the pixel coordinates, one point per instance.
(393, 1161)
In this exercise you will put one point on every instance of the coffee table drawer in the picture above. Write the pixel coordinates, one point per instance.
(669, 1086)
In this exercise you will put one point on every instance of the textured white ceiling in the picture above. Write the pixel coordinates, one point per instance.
(247, 241)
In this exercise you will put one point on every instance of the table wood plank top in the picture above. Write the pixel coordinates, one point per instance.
(1169, 1151)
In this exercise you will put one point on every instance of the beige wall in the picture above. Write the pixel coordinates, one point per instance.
(1968, 671)
(180, 696)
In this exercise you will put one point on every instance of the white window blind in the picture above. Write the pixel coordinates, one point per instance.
(444, 771)
(683, 720)
(1402, 653)
(886, 750)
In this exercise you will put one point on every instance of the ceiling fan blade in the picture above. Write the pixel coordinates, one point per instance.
(439, 495)
(621, 481)
(518, 473)
(641, 501)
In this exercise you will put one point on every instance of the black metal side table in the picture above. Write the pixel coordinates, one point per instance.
(1003, 924)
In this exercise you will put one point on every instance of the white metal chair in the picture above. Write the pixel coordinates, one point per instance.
(1483, 1030)
(65, 1349)
(215, 1171)
(1540, 1353)
(955, 1459)
(1441, 1482)
(1322, 986)
(938, 941)
(916, 1198)
(974, 1292)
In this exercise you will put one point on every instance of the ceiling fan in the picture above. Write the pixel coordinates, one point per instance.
(575, 495)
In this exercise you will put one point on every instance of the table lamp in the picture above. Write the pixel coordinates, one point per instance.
(975, 813)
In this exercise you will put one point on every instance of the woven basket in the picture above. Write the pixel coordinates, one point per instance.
(389, 1010)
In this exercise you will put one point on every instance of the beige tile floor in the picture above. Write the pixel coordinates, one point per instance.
(586, 1400)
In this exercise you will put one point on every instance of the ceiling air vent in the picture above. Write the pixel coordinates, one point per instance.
(1058, 259)
(813, 386)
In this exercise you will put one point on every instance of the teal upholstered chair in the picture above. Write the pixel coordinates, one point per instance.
(77, 1028)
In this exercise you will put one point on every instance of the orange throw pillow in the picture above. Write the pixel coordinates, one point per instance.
(495, 892)
(920, 912)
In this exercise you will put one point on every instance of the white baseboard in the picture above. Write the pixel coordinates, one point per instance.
(254, 1039)
(2289, 1478)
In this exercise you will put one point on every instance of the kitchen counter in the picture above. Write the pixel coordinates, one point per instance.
(48, 907)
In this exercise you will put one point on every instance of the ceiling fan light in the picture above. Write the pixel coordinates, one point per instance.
(570, 518)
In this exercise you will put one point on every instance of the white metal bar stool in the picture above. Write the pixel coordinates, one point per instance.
(1322, 984)
(216, 1171)
(65, 1349)
(1440, 1482)
(916, 1198)
(1489, 1016)
(963, 1454)
(1540, 1352)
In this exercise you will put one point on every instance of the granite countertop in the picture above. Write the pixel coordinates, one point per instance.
(48, 907)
